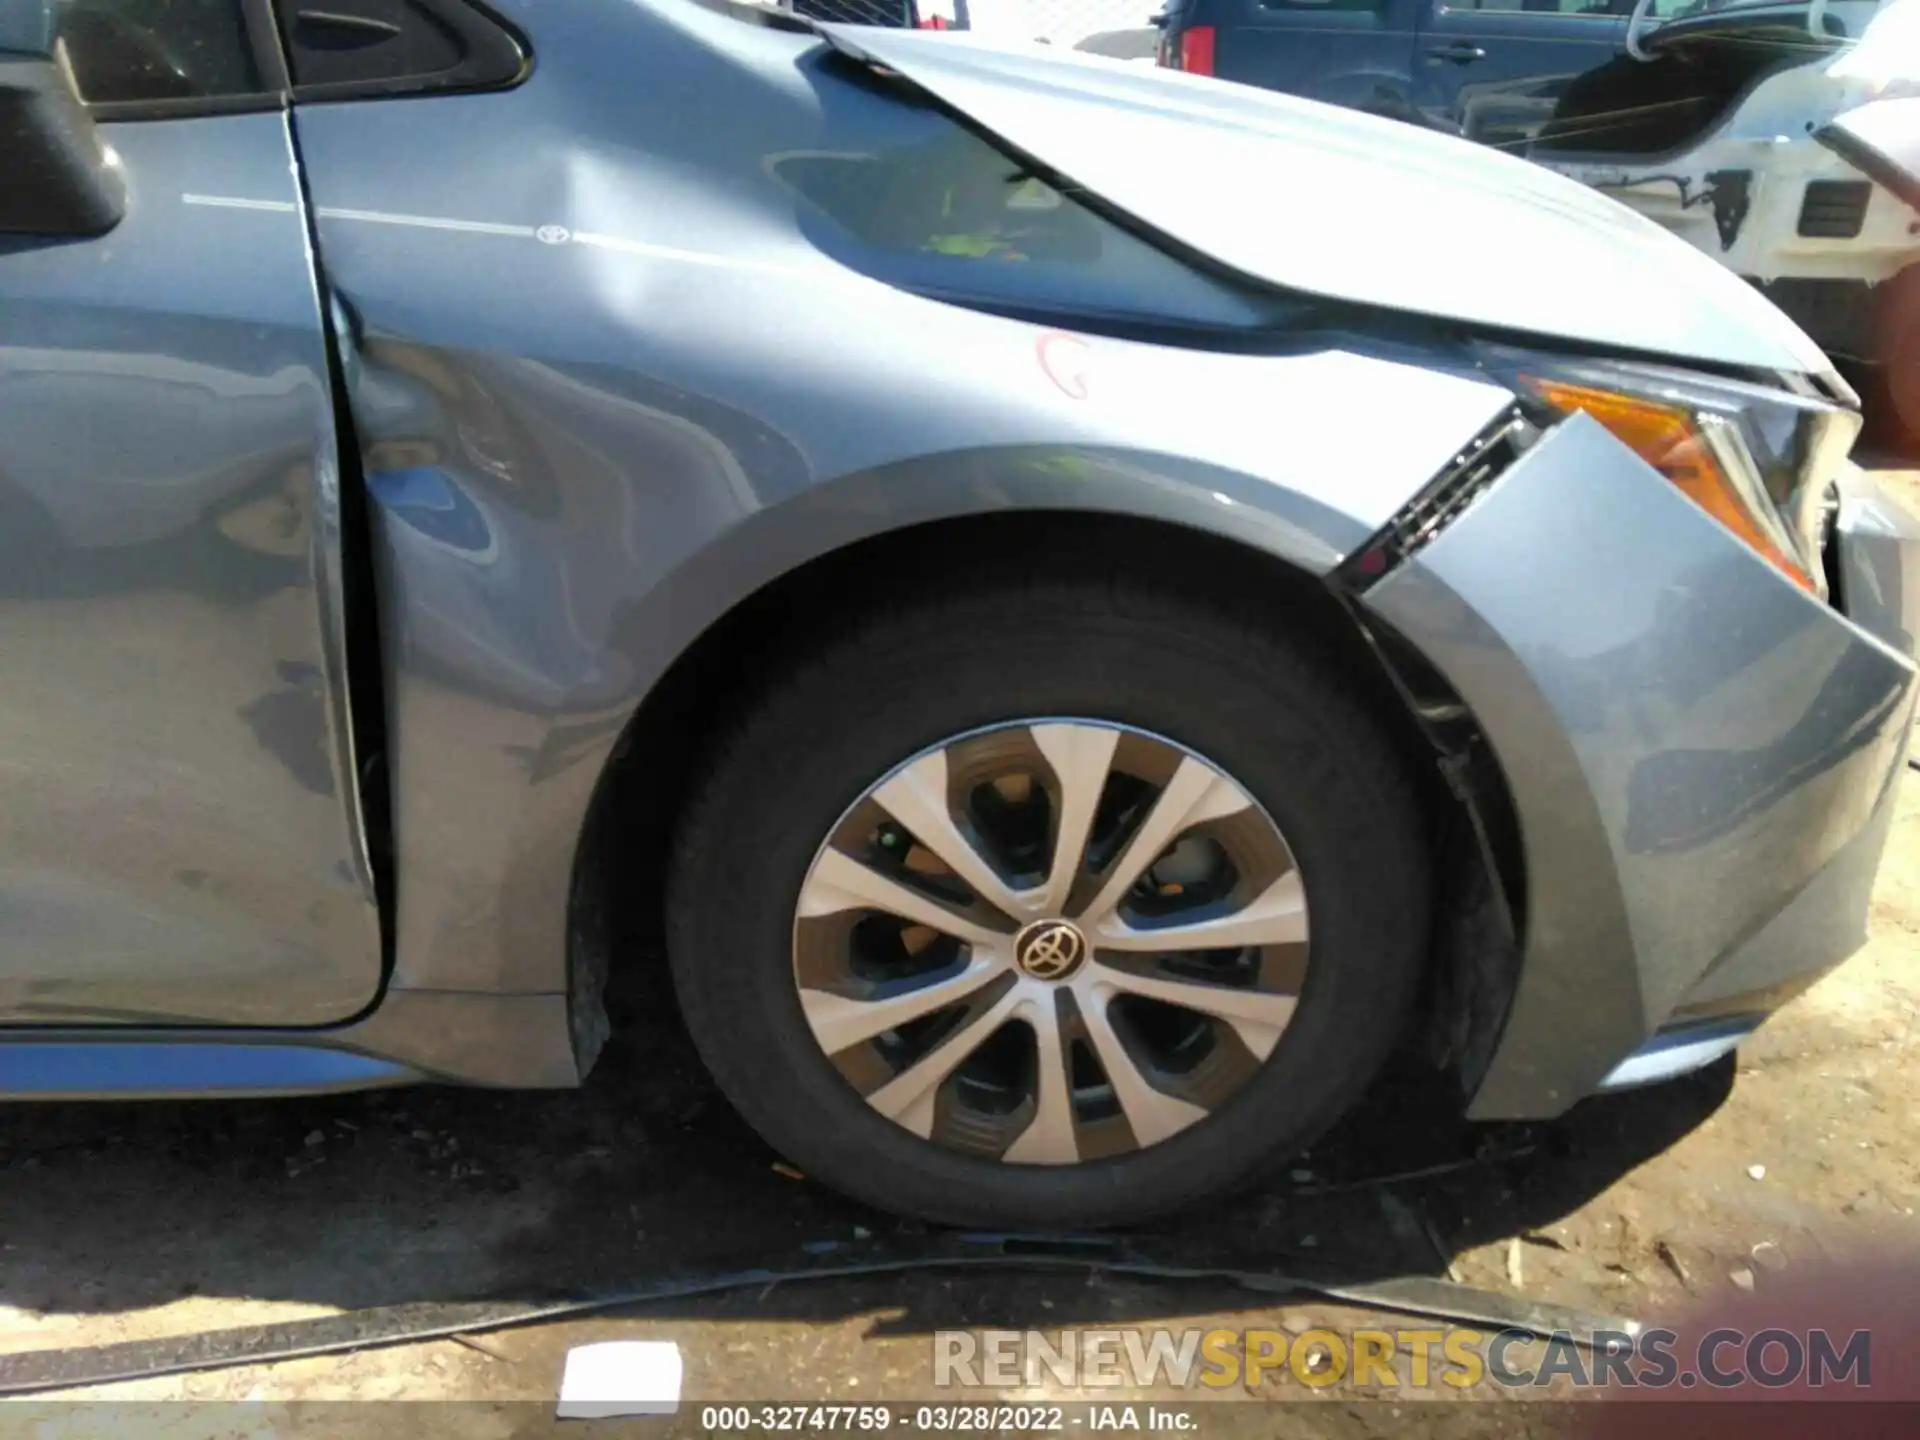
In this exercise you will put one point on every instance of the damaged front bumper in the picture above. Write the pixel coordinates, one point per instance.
(1701, 757)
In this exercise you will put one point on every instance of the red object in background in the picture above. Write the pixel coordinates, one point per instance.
(933, 22)
(1196, 50)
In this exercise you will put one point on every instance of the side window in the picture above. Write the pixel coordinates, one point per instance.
(130, 52)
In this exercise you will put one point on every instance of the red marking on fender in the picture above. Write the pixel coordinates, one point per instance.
(1063, 360)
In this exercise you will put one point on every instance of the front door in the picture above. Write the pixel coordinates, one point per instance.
(180, 838)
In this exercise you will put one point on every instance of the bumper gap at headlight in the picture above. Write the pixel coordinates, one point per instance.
(1441, 501)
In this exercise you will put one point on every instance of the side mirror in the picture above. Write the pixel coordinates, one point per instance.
(56, 175)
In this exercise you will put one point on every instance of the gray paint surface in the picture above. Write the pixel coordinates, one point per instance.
(178, 839)
(1693, 744)
(607, 386)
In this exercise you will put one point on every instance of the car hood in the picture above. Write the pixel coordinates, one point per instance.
(1308, 197)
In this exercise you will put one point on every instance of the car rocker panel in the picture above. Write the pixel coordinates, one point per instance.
(1701, 753)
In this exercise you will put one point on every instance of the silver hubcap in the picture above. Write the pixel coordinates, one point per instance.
(1051, 941)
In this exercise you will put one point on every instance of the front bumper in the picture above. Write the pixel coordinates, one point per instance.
(1701, 757)
(1680, 1050)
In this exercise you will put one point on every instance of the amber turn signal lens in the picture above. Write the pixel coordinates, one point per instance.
(1670, 440)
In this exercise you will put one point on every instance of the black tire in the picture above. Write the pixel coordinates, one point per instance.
(1284, 723)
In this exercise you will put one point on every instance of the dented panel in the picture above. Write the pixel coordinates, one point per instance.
(1695, 747)
(610, 376)
(180, 838)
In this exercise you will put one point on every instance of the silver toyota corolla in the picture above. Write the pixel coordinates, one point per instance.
(1089, 604)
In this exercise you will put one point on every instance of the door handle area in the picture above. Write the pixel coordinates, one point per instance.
(1459, 52)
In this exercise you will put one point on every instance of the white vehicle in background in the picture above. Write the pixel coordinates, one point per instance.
(1809, 182)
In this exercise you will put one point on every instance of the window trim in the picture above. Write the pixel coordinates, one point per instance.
(123, 112)
(269, 53)
(472, 20)
(1447, 7)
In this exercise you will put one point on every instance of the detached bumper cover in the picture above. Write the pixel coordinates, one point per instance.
(1702, 757)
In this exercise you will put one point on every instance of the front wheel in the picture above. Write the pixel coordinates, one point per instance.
(1041, 908)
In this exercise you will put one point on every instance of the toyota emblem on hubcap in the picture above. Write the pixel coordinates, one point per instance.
(1050, 949)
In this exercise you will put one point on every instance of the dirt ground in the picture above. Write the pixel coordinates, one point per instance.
(123, 1222)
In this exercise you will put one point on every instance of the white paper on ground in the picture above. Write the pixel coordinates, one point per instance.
(620, 1377)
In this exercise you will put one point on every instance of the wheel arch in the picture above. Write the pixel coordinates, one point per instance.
(650, 772)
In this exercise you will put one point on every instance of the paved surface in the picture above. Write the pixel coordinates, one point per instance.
(120, 1222)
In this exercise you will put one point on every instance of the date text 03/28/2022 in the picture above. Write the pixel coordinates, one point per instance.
(947, 1419)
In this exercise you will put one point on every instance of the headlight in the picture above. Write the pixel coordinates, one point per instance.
(1757, 459)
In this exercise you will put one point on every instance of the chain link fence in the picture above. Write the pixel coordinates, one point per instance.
(1070, 24)
(857, 12)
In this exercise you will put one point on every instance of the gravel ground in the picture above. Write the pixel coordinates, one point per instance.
(125, 1222)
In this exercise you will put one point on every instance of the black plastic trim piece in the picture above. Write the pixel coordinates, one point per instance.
(120, 112)
(498, 56)
(1442, 501)
(55, 177)
(269, 58)
(1834, 209)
